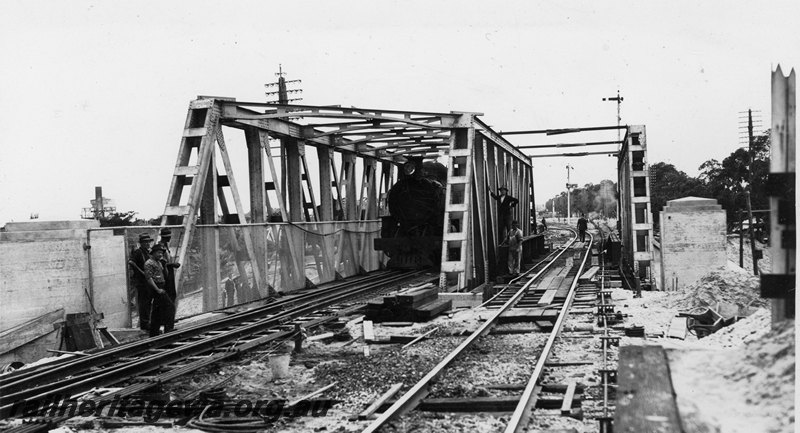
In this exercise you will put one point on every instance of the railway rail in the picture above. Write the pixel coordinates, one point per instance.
(147, 363)
(501, 303)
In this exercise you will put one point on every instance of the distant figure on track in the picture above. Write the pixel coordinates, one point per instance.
(514, 242)
(144, 294)
(544, 225)
(582, 225)
(504, 204)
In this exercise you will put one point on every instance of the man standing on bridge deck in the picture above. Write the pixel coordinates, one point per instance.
(168, 304)
(163, 312)
(582, 225)
(144, 294)
(504, 204)
(514, 242)
(168, 261)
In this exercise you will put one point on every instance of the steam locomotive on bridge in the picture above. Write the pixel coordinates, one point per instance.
(411, 236)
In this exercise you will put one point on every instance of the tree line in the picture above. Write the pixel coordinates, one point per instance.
(726, 181)
(592, 199)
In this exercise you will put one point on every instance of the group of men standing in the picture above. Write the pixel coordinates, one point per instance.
(510, 231)
(509, 228)
(154, 281)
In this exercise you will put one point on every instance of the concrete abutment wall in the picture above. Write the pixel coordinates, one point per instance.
(44, 267)
(693, 241)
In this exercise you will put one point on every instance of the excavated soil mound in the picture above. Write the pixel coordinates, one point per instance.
(747, 388)
(745, 330)
(730, 286)
(767, 367)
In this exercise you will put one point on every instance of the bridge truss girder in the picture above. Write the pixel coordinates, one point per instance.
(357, 151)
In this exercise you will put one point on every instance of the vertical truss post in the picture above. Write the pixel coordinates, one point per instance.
(325, 158)
(247, 293)
(480, 203)
(289, 262)
(348, 179)
(248, 240)
(291, 155)
(310, 205)
(515, 184)
(632, 178)
(368, 208)
(456, 241)
(348, 188)
(387, 175)
(490, 171)
(338, 208)
(371, 199)
(531, 194)
(292, 151)
(210, 239)
(258, 201)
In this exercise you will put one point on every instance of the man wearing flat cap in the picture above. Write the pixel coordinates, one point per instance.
(169, 261)
(505, 203)
(163, 311)
(169, 266)
(144, 295)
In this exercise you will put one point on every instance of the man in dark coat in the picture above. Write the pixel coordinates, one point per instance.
(169, 262)
(163, 312)
(144, 294)
(169, 265)
(505, 203)
(582, 225)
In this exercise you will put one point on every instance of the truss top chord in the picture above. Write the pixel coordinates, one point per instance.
(563, 130)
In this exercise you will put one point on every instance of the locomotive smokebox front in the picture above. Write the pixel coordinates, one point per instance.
(411, 236)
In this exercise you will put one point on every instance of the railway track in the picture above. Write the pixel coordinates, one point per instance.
(517, 294)
(146, 363)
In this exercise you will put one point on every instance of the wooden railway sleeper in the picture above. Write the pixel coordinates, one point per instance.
(147, 379)
(173, 366)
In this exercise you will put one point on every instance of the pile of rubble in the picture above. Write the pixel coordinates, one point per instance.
(730, 292)
(766, 370)
(744, 388)
(745, 330)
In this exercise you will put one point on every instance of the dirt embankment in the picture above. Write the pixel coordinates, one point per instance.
(739, 379)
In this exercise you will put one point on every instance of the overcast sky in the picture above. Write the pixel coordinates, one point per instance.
(95, 93)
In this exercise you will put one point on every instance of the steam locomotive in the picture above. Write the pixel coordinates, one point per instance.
(411, 236)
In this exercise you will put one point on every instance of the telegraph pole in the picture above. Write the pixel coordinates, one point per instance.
(283, 99)
(618, 99)
(748, 189)
(283, 92)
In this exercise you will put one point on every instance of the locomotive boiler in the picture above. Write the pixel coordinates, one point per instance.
(411, 236)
